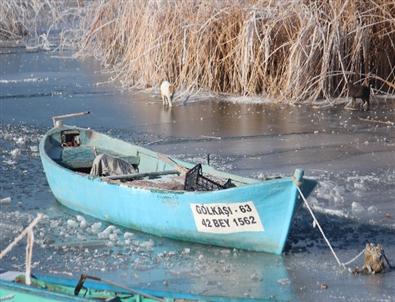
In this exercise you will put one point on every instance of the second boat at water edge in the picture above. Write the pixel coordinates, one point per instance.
(89, 288)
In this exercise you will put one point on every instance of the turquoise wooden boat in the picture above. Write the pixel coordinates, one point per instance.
(233, 211)
(55, 288)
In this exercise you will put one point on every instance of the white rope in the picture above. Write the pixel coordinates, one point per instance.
(29, 255)
(322, 232)
(317, 224)
(28, 231)
(21, 235)
(355, 258)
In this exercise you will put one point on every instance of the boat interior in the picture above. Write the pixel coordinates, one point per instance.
(90, 153)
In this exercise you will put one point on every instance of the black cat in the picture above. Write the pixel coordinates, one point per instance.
(359, 91)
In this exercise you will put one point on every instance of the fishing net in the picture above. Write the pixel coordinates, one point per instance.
(196, 181)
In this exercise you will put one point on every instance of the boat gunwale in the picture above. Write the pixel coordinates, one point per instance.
(170, 296)
(256, 183)
(29, 290)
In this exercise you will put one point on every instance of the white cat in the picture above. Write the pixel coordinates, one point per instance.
(167, 92)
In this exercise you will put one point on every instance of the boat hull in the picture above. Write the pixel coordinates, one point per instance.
(254, 216)
(16, 292)
(46, 288)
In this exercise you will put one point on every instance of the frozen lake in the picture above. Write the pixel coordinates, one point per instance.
(353, 160)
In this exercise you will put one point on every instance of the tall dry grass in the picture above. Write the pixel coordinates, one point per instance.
(40, 21)
(284, 49)
(11, 14)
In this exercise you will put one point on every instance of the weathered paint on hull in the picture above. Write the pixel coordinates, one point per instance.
(53, 288)
(15, 292)
(169, 214)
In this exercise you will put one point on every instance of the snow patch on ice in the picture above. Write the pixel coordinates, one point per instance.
(6, 200)
(33, 148)
(26, 80)
(335, 212)
(357, 208)
(247, 99)
(128, 235)
(95, 227)
(82, 221)
(15, 152)
(72, 223)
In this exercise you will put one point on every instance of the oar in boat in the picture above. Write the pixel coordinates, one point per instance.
(141, 175)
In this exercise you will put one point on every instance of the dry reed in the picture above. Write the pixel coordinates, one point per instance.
(287, 50)
(38, 21)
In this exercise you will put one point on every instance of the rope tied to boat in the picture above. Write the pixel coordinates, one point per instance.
(317, 224)
(28, 232)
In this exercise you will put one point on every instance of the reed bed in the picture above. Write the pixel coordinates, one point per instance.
(287, 50)
(45, 22)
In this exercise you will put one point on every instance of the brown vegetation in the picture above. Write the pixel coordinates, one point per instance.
(11, 25)
(36, 20)
(288, 50)
(282, 49)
